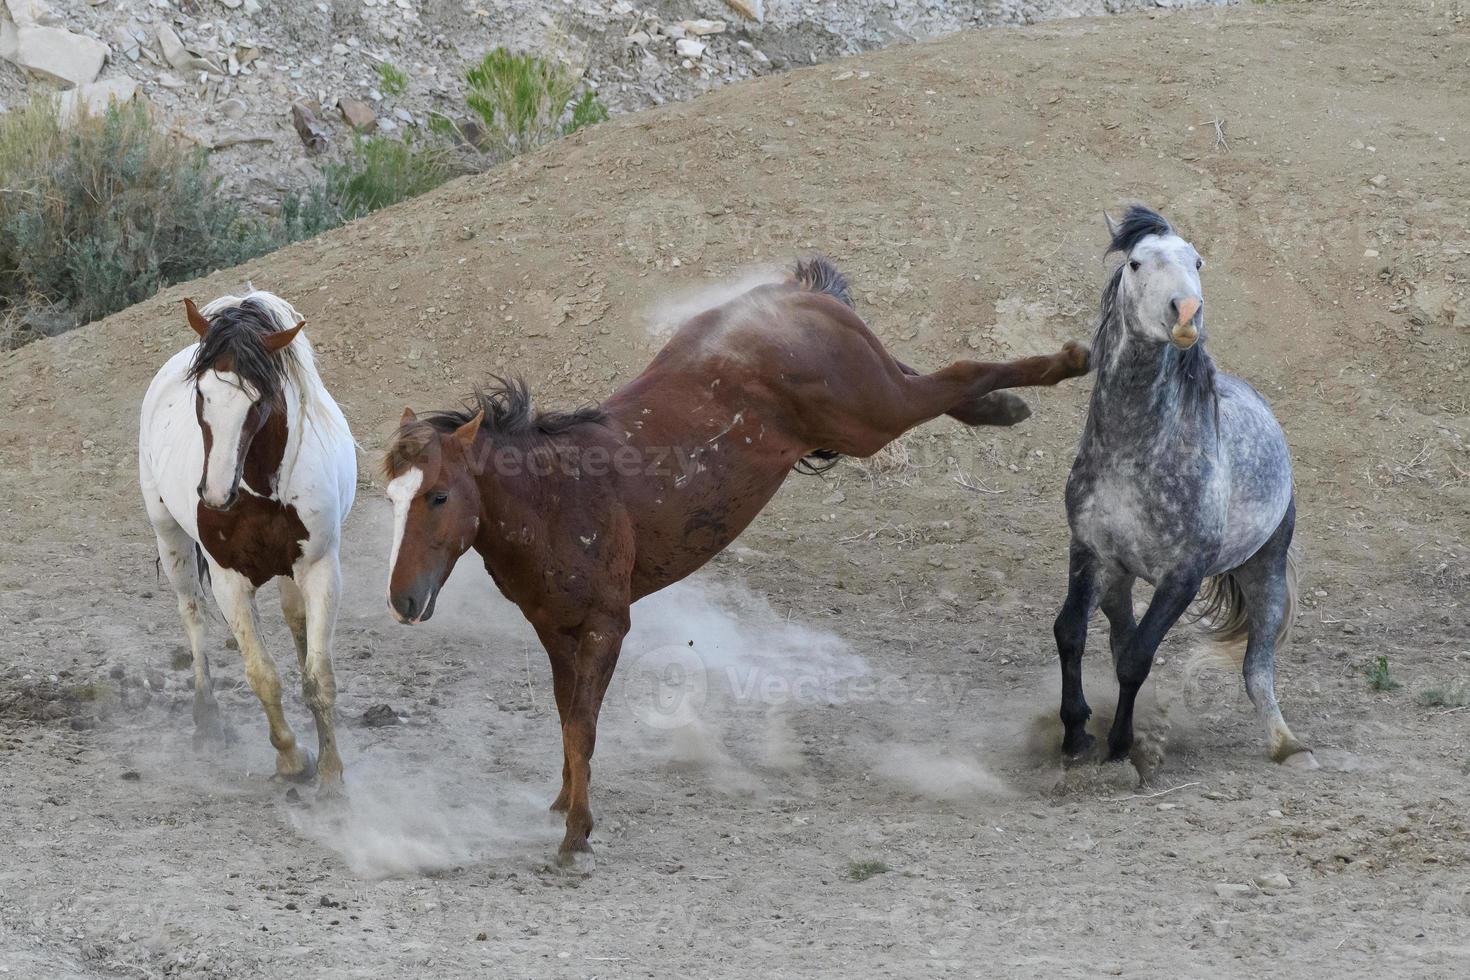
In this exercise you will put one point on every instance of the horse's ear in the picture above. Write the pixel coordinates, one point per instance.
(1112, 226)
(196, 319)
(408, 418)
(277, 341)
(466, 433)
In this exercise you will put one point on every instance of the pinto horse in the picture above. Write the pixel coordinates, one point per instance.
(577, 515)
(247, 469)
(1182, 479)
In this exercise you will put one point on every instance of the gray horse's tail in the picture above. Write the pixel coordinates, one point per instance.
(1222, 611)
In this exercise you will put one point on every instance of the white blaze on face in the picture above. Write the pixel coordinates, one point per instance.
(401, 491)
(226, 403)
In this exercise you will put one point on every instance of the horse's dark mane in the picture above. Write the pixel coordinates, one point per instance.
(1192, 371)
(820, 276)
(236, 332)
(509, 414)
(1138, 223)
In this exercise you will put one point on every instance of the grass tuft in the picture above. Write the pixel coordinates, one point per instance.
(1444, 696)
(524, 101)
(1379, 678)
(392, 79)
(863, 870)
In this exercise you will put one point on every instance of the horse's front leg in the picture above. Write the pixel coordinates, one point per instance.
(561, 650)
(599, 641)
(236, 597)
(1171, 598)
(321, 586)
(1070, 630)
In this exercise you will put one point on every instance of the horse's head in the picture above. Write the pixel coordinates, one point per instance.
(436, 508)
(238, 382)
(1159, 286)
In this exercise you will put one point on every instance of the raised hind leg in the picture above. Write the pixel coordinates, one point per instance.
(236, 597)
(1266, 586)
(180, 558)
(1171, 598)
(1070, 630)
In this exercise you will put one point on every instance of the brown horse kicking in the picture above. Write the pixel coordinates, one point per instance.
(577, 515)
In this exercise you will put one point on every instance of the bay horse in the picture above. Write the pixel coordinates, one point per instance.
(247, 469)
(1182, 479)
(579, 514)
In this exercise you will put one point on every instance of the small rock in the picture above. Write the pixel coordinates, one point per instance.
(1379, 180)
(689, 48)
(358, 114)
(232, 108)
(308, 127)
(1275, 814)
(1226, 890)
(703, 27)
(1274, 883)
(1167, 806)
(380, 716)
(132, 775)
(179, 56)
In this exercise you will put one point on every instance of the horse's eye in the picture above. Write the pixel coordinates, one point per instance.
(438, 497)
(1135, 265)
(1199, 264)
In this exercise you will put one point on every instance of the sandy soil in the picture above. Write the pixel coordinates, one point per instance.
(880, 679)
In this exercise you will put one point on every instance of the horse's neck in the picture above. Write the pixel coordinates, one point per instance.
(1138, 399)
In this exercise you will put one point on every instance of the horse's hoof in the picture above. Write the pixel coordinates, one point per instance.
(305, 774)
(1079, 357)
(1083, 753)
(579, 861)
(211, 734)
(1302, 759)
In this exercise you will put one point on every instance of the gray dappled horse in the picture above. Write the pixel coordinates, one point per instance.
(1182, 479)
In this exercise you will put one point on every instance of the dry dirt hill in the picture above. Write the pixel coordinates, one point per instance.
(1315, 155)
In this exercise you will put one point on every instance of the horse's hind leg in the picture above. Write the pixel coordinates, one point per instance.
(181, 563)
(1171, 598)
(1264, 583)
(1117, 605)
(1070, 630)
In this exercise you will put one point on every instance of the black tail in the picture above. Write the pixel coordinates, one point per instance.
(819, 275)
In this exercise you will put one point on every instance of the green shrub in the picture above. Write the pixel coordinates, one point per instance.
(100, 214)
(394, 80)
(524, 101)
(1379, 677)
(381, 171)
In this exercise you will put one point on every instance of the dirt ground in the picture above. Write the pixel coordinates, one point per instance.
(878, 679)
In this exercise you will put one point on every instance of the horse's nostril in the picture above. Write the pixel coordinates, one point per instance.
(404, 605)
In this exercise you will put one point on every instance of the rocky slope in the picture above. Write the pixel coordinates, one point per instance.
(226, 73)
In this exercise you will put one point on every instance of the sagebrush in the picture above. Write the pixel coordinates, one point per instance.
(101, 213)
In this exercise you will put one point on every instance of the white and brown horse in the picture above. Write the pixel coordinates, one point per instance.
(247, 464)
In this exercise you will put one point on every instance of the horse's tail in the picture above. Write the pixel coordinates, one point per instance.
(1222, 611)
(819, 275)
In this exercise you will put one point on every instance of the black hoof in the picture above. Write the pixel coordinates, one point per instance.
(1079, 751)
